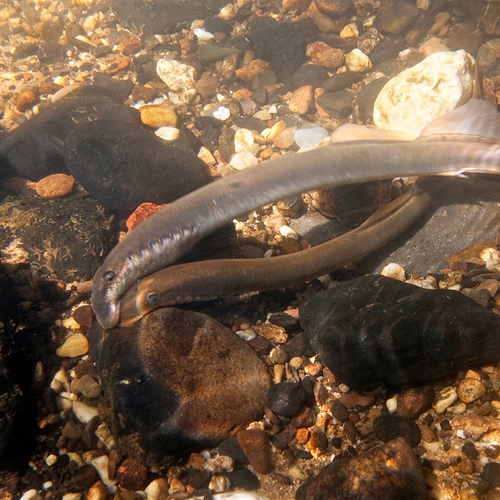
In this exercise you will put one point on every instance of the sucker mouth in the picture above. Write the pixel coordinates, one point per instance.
(108, 315)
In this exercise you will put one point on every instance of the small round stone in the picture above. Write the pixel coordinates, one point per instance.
(445, 398)
(54, 186)
(74, 346)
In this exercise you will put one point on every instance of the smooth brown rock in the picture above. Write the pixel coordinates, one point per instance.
(413, 402)
(391, 472)
(301, 99)
(256, 446)
(54, 186)
(197, 379)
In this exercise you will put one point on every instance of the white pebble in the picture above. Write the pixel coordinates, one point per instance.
(202, 34)
(47, 485)
(178, 76)
(63, 403)
(29, 495)
(424, 92)
(219, 483)
(246, 335)
(221, 113)
(394, 271)
(288, 232)
(104, 435)
(243, 140)
(101, 466)
(72, 496)
(392, 404)
(243, 160)
(83, 412)
(310, 138)
(157, 489)
(167, 133)
(446, 398)
(357, 61)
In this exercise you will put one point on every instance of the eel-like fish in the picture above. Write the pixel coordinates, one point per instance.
(206, 280)
(465, 140)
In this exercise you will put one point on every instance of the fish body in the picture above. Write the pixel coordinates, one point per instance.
(471, 144)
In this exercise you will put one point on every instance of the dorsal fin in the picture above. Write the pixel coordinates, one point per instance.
(474, 118)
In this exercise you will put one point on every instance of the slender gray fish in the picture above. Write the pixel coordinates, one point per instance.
(470, 144)
(211, 279)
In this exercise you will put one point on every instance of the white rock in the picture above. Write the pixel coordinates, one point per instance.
(263, 115)
(349, 31)
(394, 271)
(445, 398)
(202, 35)
(357, 61)
(288, 232)
(167, 133)
(83, 412)
(104, 435)
(310, 138)
(101, 466)
(178, 76)
(63, 403)
(392, 404)
(428, 90)
(242, 160)
(228, 12)
(157, 489)
(243, 140)
(246, 335)
(29, 495)
(72, 496)
(221, 113)
(219, 483)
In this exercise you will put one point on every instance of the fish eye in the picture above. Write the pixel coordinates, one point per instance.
(108, 276)
(152, 299)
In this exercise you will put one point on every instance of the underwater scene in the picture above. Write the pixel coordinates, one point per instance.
(249, 249)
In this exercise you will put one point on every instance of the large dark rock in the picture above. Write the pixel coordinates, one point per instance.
(390, 471)
(61, 238)
(376, 331)
(35, 149)
(282, 44)
(178, 381)
(122, 164)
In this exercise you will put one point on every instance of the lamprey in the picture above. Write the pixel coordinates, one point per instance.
(210, 279)
(466, 140)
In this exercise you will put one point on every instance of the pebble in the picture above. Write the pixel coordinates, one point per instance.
(243, 160)
(394, 271)
(324, 55)
(89, 387)
(157, 489)
(159, 115)
(357, 61)
(310, 138)
(83, 412)
(212, 53)
(26, 100)
(437, 85)
(103, 433)
(178, 76)
(168, 133)
(388, 471)
(207, 85)
(276, 334)
(286, 398)
(349, 31)
(491, 473)
(301, 99)
(471, 389)
(429, 435)
(219, 484)
(285, 139)
(75, 345)
(390, 427)
(55, 185)
(413, 402)
(305, 418)
(309, 74)
(396, 18)
(392, 405)
(132, 474)
(251, 70)
(337, 104)
(98, 491)
(243, 140)
(445, 398)
(256, 446)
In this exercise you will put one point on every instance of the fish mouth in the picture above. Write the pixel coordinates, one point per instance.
(108, 315)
